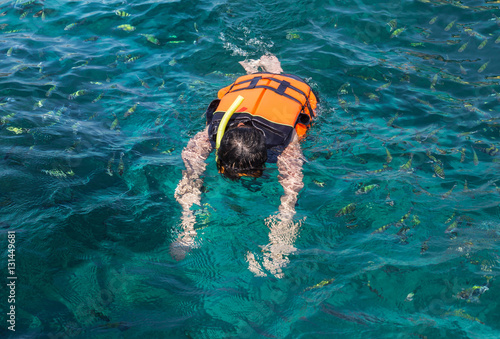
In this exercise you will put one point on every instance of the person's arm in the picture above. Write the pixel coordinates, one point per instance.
(282, 230)
(290, 177)
(195, 153)
(188, 191)
(268, 62)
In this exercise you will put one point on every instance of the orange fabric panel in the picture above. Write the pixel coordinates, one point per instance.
(267, 103)
(250, 103)
(223, 91)
(301, 130)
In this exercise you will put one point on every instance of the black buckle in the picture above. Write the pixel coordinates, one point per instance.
(254, 82)
(282, 87)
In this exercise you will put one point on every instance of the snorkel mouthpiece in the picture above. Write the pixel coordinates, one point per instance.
(225, 119)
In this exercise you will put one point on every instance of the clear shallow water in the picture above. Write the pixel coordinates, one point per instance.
(91, 197)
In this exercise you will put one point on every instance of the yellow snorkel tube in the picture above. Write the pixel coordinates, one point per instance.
(225, 119)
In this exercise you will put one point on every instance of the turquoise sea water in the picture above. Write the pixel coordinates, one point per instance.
(94, 116)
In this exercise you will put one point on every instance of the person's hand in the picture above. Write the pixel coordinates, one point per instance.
(185, 240)
(271, 64)
(282, 234)
(251, 66)
(268, 63)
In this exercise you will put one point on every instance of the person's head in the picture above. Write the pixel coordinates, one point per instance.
(242, 152)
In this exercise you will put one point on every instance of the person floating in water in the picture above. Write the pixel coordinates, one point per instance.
(276, 111)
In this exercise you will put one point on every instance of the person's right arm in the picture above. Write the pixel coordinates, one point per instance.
(188, 191)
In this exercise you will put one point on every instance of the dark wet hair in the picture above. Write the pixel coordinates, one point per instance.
(242, 152)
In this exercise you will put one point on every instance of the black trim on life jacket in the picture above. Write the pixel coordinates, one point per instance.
(209, 113)
(275, 134)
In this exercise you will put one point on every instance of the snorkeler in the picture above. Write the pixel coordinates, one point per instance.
(259, 118)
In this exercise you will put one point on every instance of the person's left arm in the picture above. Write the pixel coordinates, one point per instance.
(290, 177)
(282, 230)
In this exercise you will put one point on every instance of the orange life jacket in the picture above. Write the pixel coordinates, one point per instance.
(277, 104)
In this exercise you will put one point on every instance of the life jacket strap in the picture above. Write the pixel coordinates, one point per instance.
(283, 85)
(254, 82)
